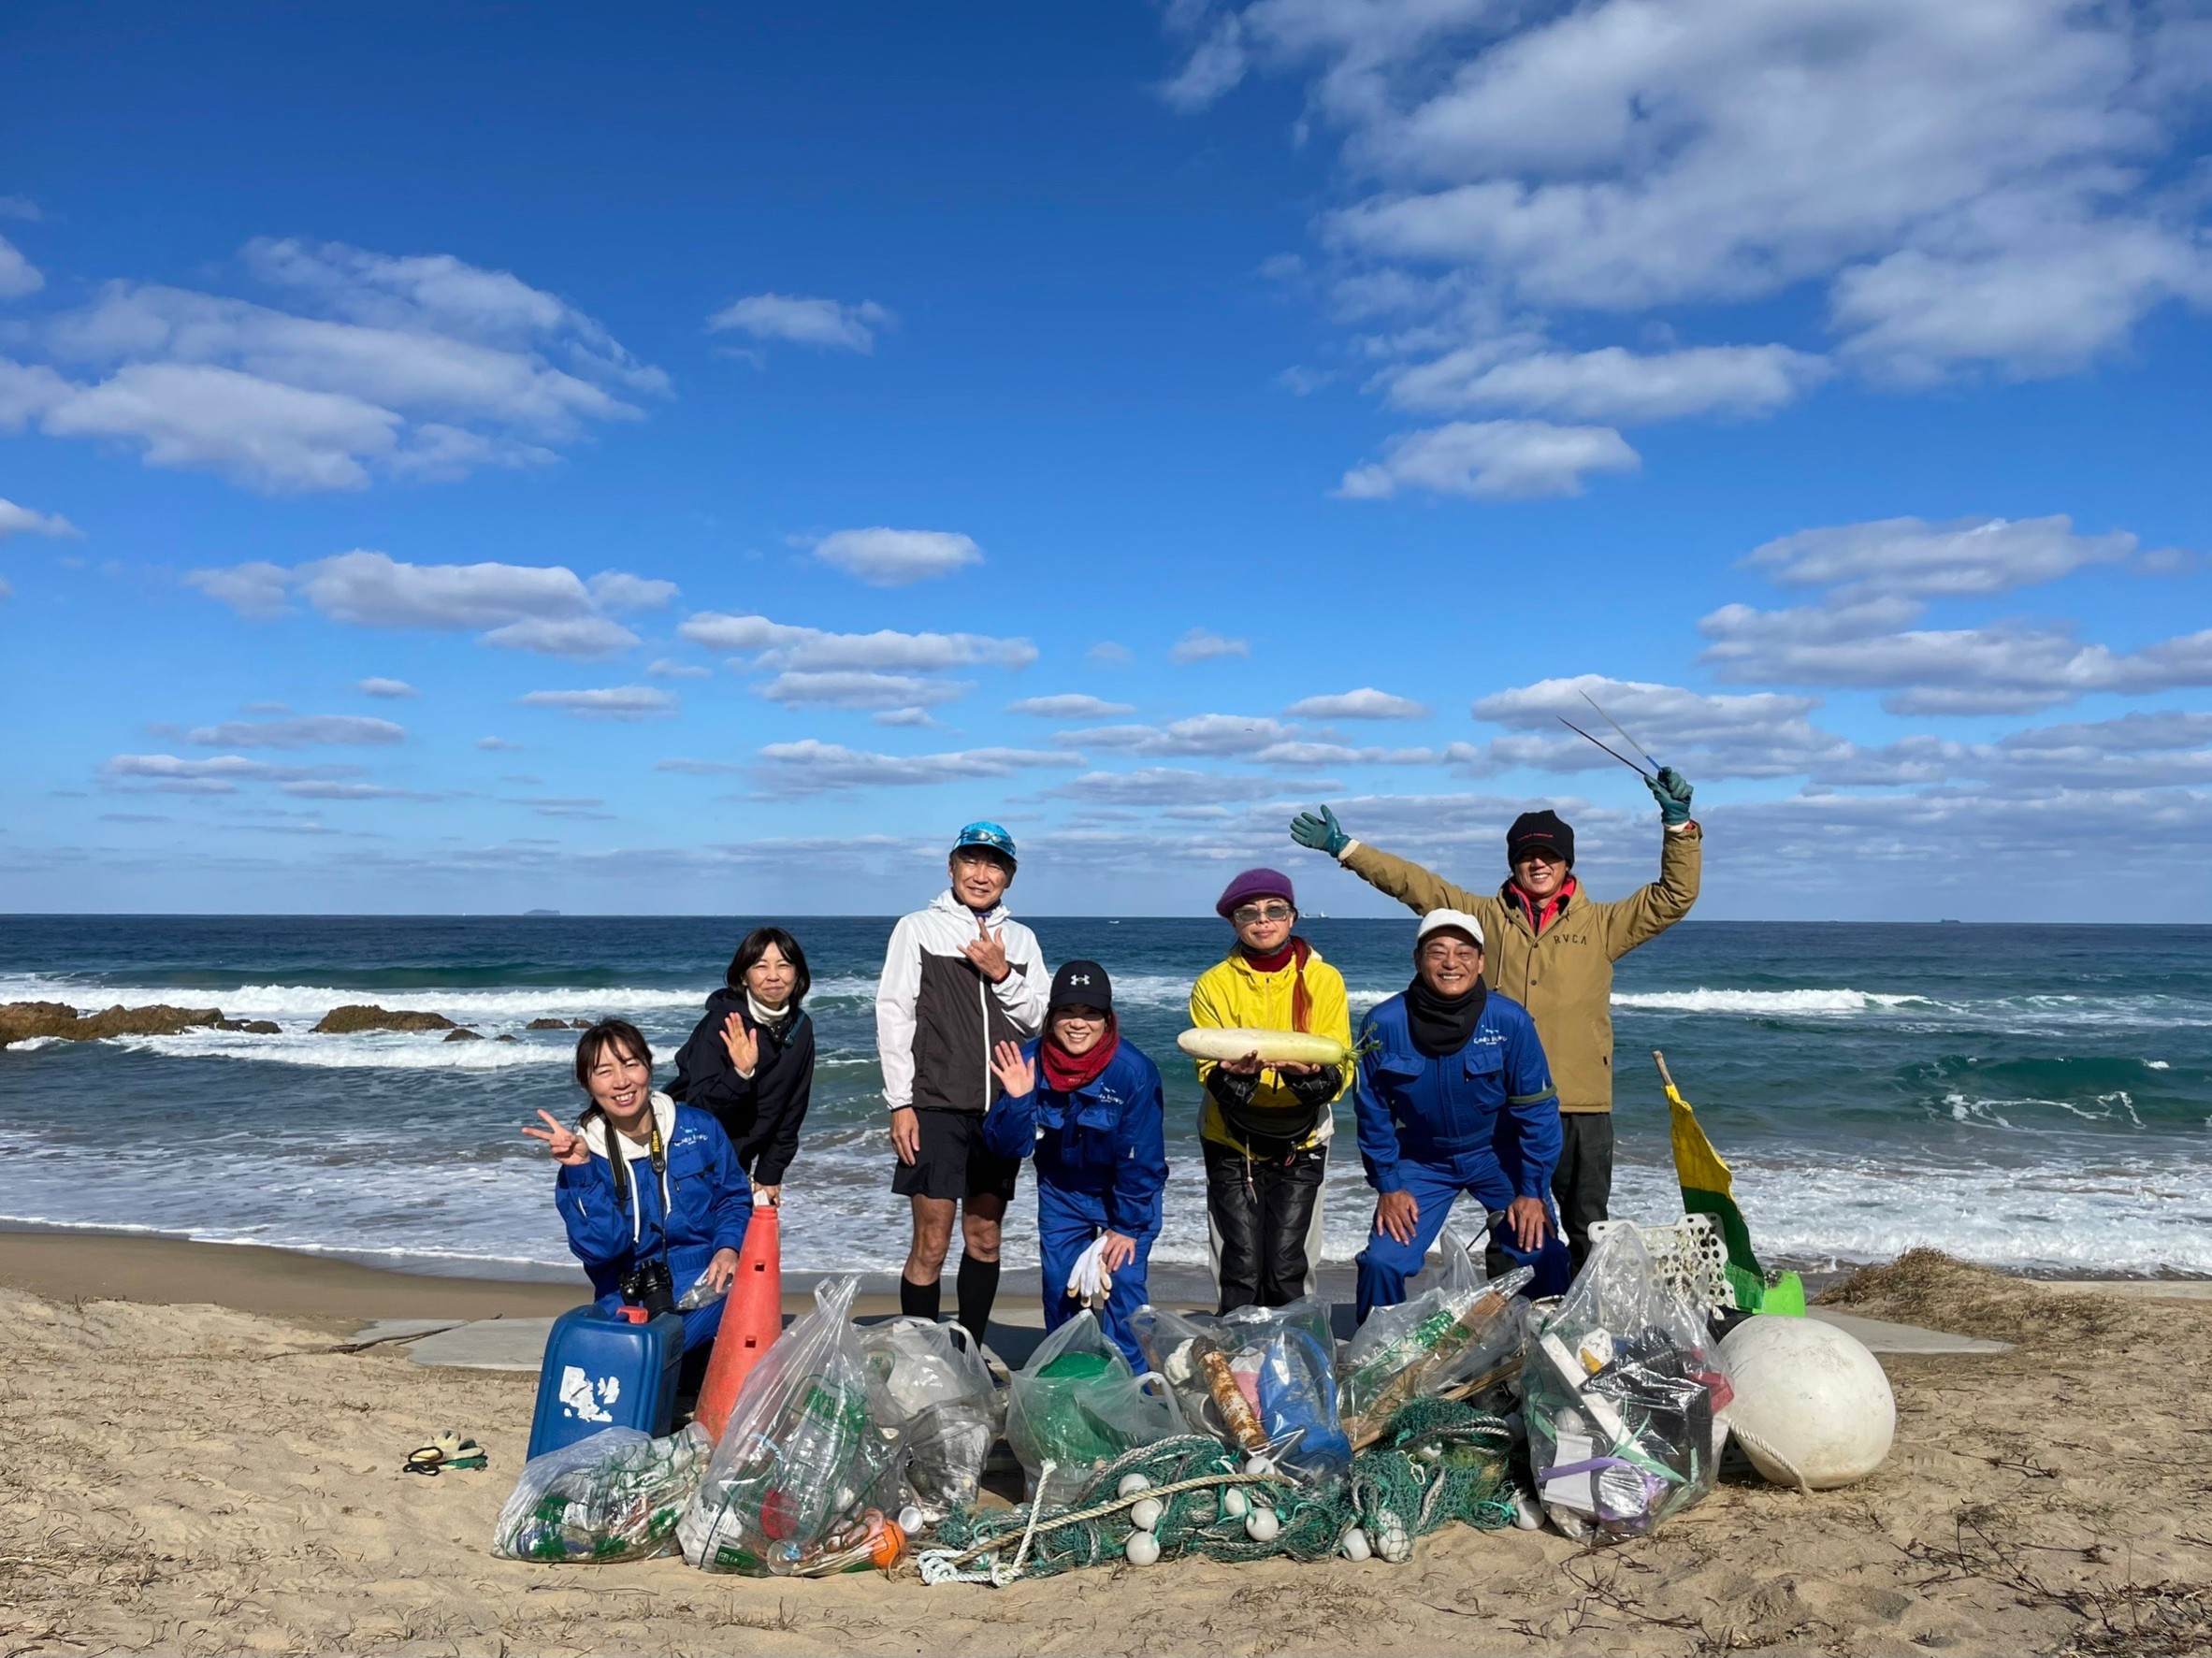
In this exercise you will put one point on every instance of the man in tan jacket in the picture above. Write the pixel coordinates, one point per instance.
(1552, 949)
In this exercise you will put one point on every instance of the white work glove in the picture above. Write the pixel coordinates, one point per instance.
(1089, 1281)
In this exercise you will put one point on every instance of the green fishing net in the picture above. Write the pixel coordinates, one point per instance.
(1438, 1462)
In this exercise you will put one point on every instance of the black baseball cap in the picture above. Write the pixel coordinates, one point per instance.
(1081, 984)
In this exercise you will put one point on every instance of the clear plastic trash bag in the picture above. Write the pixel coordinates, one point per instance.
(929, 1380)
(1453, 1334)
(1261, 1379)
(802, 1456)
(1625, 1400)
(1078, 1404)
(615, 1495)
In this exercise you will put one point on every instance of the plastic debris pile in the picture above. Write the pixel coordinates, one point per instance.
(616, 1495)
(1262, 1380)
(800, 1475)
(1624, 1401)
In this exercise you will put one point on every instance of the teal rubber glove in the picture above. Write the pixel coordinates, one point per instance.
(1671, 789)
(1325, 833)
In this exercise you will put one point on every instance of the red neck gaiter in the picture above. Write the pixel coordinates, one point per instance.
(1064, 1072)
(1541, 916)
(1297, 952)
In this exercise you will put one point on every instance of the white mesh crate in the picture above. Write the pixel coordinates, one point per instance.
(1690, 1254)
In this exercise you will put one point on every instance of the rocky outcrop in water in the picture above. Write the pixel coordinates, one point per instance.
(462, 1034)
(558, 1025)
(356, 1017)
(20, 1021)
(254, 1026)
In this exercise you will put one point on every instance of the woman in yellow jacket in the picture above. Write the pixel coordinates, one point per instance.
(1266, 1128)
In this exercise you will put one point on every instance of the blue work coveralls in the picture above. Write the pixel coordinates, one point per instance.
(1102, 1163)
(1484, 1120)
(701, 1204)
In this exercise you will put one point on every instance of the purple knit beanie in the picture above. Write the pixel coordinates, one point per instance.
(1254, 883)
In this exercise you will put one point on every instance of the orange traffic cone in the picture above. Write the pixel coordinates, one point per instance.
(752, 1318)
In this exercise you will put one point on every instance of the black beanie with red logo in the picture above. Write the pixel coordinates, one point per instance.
(1539, 831)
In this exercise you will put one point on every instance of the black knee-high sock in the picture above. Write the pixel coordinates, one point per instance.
(920, 1300)
(978, 1288)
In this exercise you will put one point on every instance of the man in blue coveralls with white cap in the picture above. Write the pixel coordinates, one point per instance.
(1454, 1095)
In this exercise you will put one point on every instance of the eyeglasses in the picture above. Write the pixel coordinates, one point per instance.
(1245, 915)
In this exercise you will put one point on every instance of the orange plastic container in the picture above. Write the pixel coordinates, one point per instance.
(752, 1318)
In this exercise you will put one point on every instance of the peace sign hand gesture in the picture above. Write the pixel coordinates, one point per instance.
(741, 1045)
(566, 1146)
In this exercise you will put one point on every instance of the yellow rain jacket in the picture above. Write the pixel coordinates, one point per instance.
(1563, 978)
(1233, 995)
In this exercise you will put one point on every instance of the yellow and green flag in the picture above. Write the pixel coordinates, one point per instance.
(1708, 1188)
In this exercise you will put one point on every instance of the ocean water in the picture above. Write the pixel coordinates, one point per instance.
(2033, 1097)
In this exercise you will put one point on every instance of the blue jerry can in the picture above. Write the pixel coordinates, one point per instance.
(603, 1371)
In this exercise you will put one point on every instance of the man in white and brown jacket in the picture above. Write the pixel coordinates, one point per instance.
(1552, 947)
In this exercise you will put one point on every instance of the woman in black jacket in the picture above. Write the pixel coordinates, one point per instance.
(751, 1059)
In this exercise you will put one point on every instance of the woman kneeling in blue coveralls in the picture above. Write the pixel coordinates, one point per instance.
(1096, 1123)
(1454, 1095)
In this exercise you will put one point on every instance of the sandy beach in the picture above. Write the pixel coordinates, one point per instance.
(194, 1462)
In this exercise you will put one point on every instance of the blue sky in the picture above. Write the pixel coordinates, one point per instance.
(477, 459)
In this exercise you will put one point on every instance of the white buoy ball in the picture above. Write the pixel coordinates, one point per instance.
(1143, 1549)
(1812, 1407)
(1354, 1544)
(1144, 1513)
(1258, 1465)
(1133, 1483)
(1260, 1525)
(1527, 1515)
(1235, 1503)
(911, 1519)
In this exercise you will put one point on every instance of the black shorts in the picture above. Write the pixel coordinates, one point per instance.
(954, 1163)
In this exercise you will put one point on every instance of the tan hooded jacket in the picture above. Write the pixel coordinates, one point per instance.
(1563, 978)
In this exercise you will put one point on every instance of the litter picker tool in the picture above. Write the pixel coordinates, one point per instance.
(1608, 749)
(1624, 732)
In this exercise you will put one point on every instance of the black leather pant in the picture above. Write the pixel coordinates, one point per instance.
(1262, 1210)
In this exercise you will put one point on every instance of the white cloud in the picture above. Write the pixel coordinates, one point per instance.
(352, 791)
(669, 667)
(1492, 460)
(312, 731)
(18, 275)
(847, 689)
(1991, 182)
(581, 639)
(613, 702)
(544, 608)
(904, 718)
(22, 521)
(1764, 735)
(7, 591)
(392, 688)
(897, 558)
(1070, 706)
(1909, 557)
(1365, 703)
(829, 324)
(219, 775)
(813, 767)
(1611, 383)
(21, 207)
(1170, 786)
(697, 767)
(2004, 667)
(1202, 644)
(426, 367)
(1220, 735)
(499, 745)
(776, 645)
(1108, 654)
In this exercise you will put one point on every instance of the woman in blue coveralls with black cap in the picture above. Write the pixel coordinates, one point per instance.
(1096, 1123)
